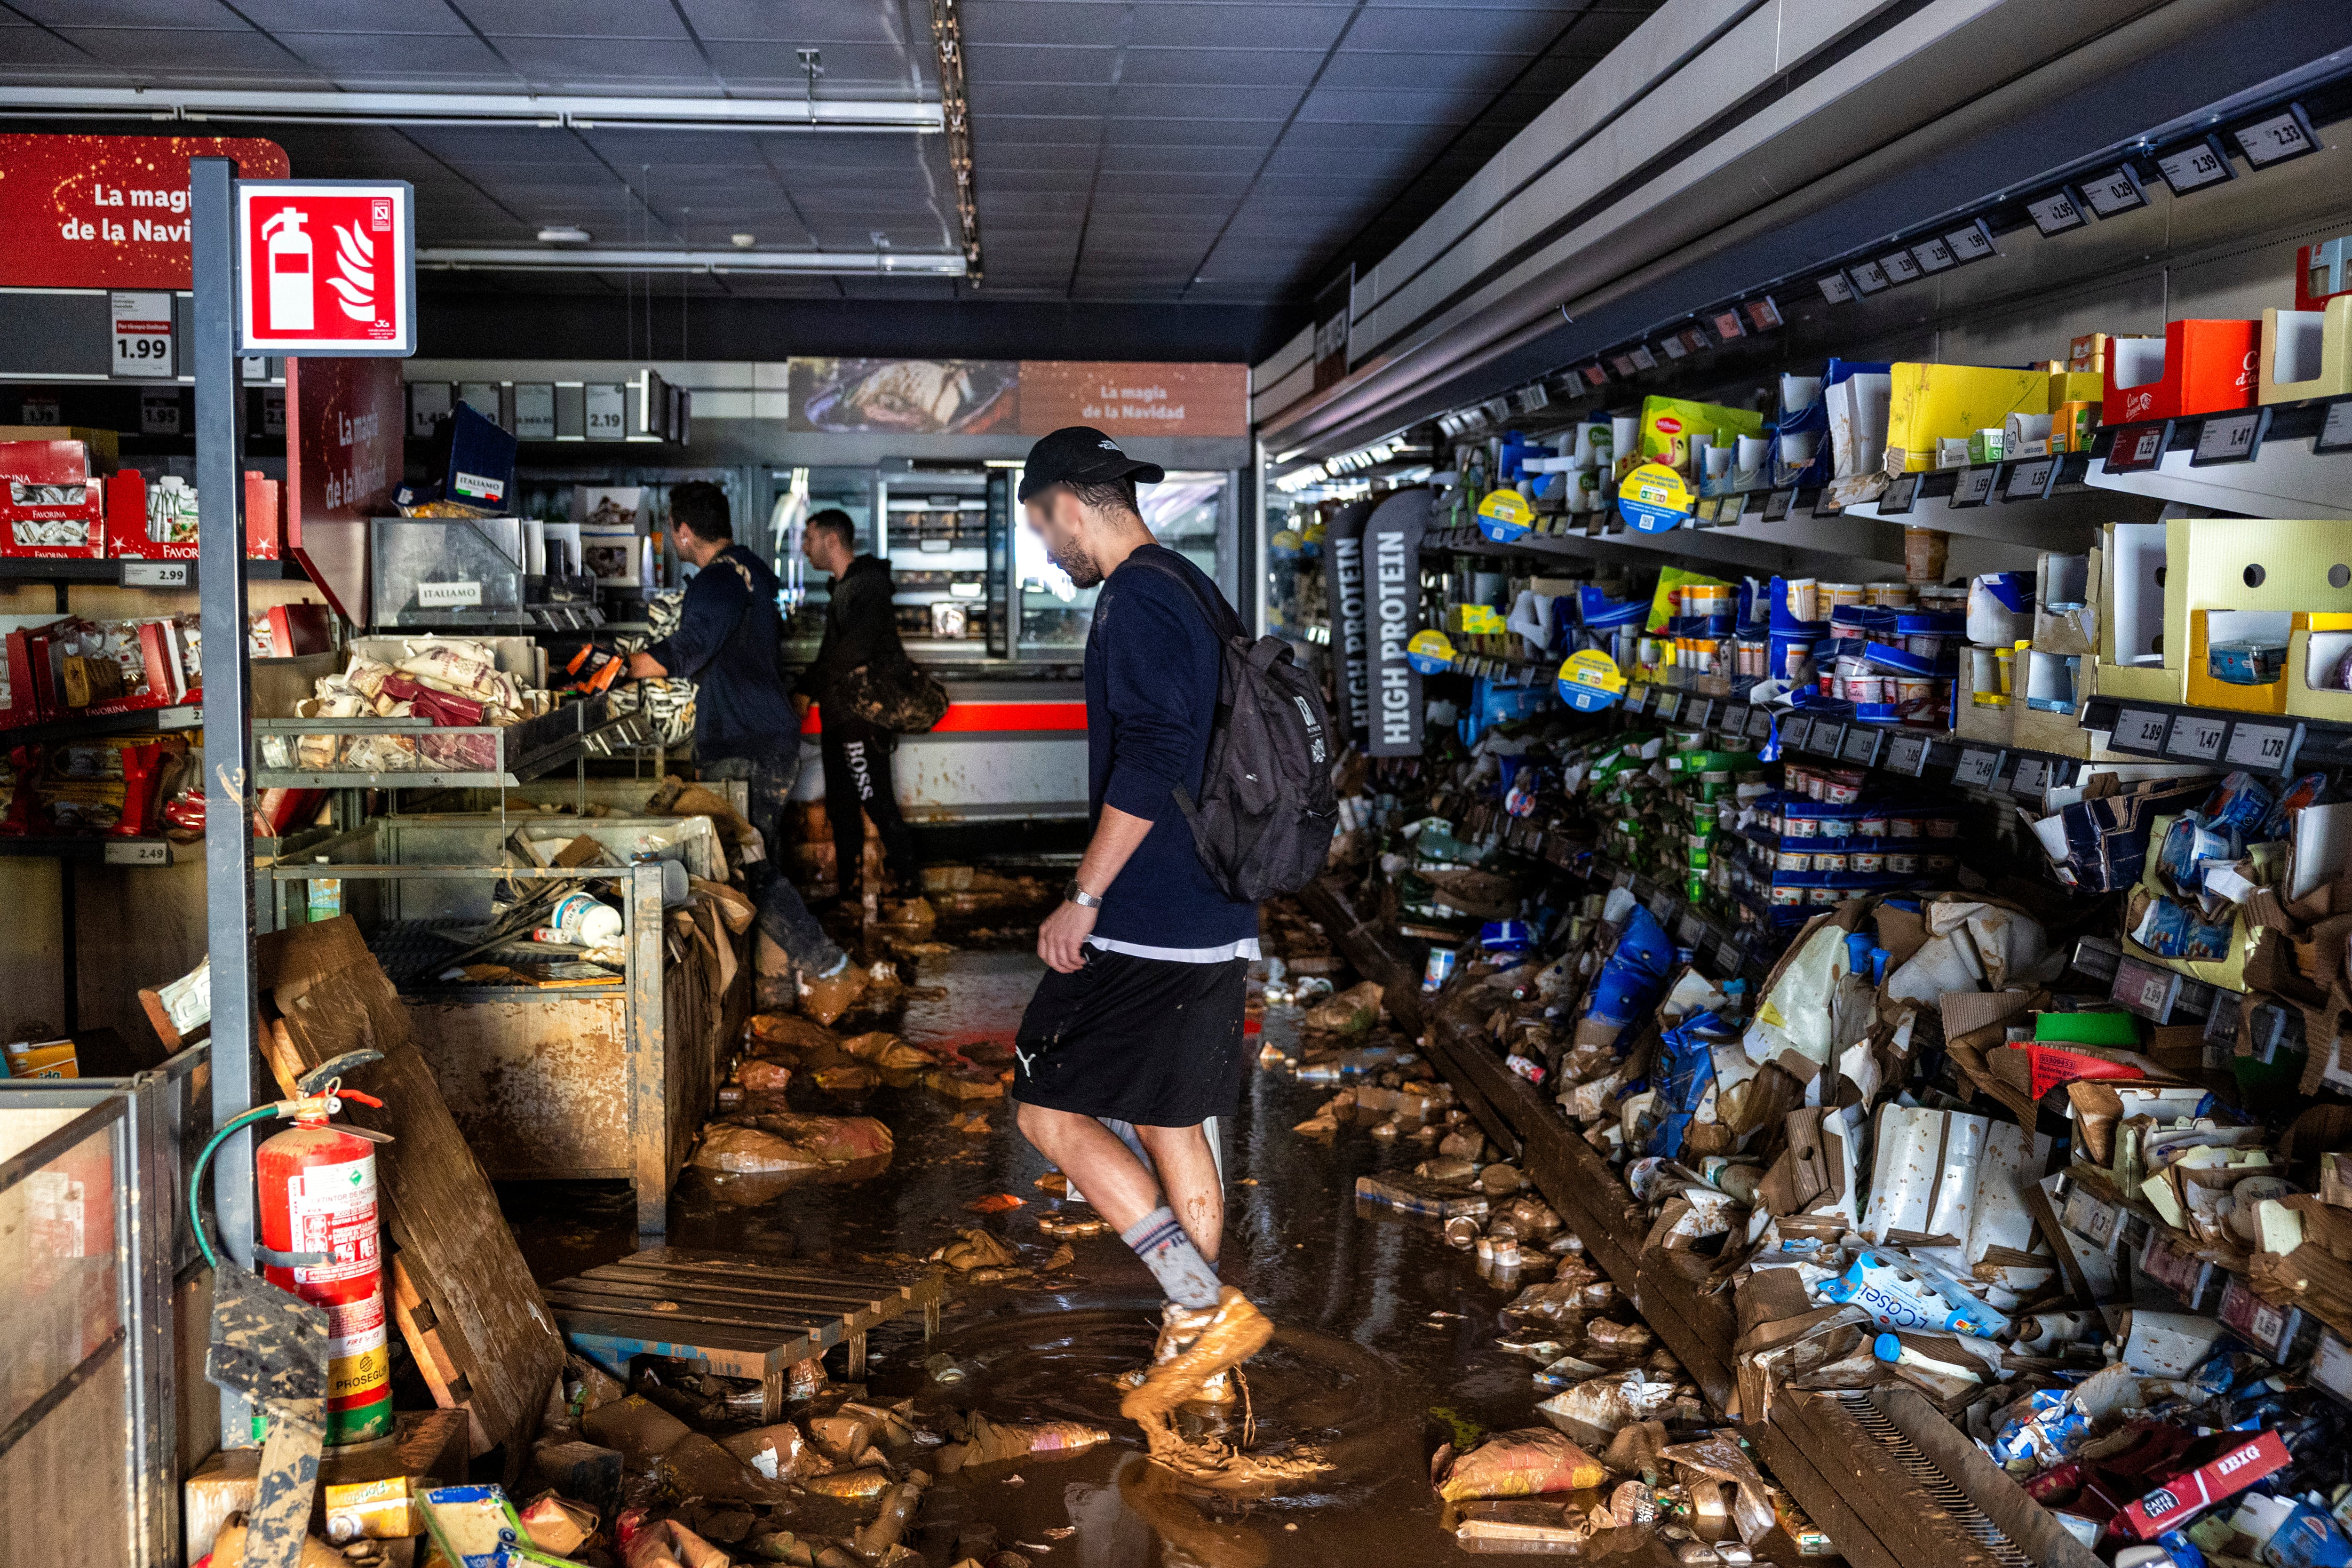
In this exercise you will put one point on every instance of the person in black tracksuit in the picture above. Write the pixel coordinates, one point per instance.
(860, 628)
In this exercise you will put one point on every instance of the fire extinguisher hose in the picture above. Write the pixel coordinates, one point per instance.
(196, 1175)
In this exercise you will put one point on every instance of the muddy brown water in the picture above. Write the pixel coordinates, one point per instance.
(1386, 1336)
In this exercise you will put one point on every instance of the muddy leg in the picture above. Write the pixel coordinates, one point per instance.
(1189, 1174)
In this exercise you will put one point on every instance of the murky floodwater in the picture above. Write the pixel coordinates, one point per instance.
(1385, 1343)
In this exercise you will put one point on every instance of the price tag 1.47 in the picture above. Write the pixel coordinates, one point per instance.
(2196, 738)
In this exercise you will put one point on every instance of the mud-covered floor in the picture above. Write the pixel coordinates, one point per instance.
(1386, 1342)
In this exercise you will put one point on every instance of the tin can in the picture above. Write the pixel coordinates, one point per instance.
(1869, 860)
(1902, 863)
(1943, 828)
(1439, 970)
(1799, 827)
(1830, 862)
(1786, 897)
(1821, 898)
(1940, 865)
(1903, 827)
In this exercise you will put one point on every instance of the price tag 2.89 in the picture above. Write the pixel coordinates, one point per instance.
(1978, 767)
(2195, 738)
(2139, 730)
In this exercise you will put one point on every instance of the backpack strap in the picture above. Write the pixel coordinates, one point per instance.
(1223, 620)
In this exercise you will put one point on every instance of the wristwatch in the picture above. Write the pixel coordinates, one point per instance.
(1080, 896)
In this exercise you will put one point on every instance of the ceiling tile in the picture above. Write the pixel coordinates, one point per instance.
(593, 20)
(354, 16)
(1007, 63)
(173, 13)
(1220, 66)
(216, 55)
(850, 69)
(1045, 22)
(1240, 27)
(382, 62)
(603, 64)
(805, 23)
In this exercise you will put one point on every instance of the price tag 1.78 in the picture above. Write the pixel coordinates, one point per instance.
(2139, 730)
(2262, 746)
(1978, 767)
(2195, 738)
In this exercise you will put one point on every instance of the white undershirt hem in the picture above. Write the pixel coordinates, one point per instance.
(1245, 948)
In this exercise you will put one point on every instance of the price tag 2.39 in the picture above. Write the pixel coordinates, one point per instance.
(2196, 739)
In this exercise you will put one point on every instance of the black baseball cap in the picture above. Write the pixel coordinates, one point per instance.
(1082, 454)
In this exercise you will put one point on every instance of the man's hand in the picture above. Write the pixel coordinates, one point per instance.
(802, 703)
(645, 667)
(1061, 940)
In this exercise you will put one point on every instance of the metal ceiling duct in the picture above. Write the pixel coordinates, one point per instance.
(584, 113)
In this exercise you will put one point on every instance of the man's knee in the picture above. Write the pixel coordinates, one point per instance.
(1042, 1125)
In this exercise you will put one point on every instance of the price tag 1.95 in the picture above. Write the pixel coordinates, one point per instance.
(2262, 746)
(2196, 738)
(1978, 767)
(2139, 730)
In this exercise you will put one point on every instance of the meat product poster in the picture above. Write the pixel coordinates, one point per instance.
(1029, 397)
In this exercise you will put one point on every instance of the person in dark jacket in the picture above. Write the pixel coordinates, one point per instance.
(860, 628)
(744, 723)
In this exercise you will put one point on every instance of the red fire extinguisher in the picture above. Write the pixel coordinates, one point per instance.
(321, 1238)
(316, 1196)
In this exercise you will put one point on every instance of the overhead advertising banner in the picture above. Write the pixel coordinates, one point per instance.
(903, 397)
(1029, 397)
(108, 212)
(1344, 538)
(1134, 399)
(1392, 615)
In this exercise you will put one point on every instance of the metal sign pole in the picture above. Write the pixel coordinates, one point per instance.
(228, 831)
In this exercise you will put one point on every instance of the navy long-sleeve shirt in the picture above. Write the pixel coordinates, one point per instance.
(726, 642)
(1151, 667)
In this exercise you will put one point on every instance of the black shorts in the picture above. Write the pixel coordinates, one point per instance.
(1135, 1040)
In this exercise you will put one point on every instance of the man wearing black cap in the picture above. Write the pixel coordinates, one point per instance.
(1134, 1037)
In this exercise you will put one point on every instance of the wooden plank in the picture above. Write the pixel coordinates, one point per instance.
(598, 1318)
(648, 1072)
(711, 1313)
(1894, 1508)
(683, 1281)
(626, 1296)
(493, 1328)
(1793, 1468)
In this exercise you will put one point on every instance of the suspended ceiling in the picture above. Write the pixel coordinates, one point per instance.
(1201, 152)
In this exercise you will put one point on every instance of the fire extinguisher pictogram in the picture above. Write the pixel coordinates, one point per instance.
(289, 260)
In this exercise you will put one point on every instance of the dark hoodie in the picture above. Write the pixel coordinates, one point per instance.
(726, 642)
(859, 628)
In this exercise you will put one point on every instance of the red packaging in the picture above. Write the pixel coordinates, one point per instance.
(20, 693)
(2053, 1065)
(2175, 1502)
(126, 520)
(2209, 367)
(26, 514)
(265, 516)
(2322, 271)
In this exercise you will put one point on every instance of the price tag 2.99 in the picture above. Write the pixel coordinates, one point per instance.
(1977, 768)
(2197, 738)
(2262, 746)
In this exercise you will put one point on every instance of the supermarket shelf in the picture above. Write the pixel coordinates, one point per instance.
(102, 850)
(1887, 1503)
(186, 716)
(2285, 473)
(155, 574)
(2279, 744)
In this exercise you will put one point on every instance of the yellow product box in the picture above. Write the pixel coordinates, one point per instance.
(2315, 656)
(43, 1058)
(2076, 386)
(380, 1509)
(1954, 401)
(1669, 422)
(2307, 354)
(1476, 620)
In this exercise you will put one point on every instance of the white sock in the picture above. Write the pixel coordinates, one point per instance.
(1174, 1261)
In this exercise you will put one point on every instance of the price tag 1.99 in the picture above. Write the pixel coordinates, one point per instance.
(143, 334)
(2196, 738)
(2139, 730)
(1978, 767)
(1907, 754)
(2262, 746)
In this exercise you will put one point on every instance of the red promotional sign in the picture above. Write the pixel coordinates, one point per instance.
(345, 425)
(107, 212)
(326, 266)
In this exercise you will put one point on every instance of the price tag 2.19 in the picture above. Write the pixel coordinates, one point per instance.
(2196, 739)
(1978, 767)
(2262, 746)
(607, 410)
(2139, 730)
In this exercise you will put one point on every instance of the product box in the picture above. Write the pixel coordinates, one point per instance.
(2322, 271)
(2144, 612)
(43, 1058)
(139, 525)
(2197, 367)
(2307, 354)
(52, 506)
(2177, 1500)
(1993, 721)
(1669, 422)
(20, 693)
(1943, 401)
(2243, 580)
(2317, 649)
(105, 445)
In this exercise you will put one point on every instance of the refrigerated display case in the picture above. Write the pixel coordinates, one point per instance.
(1192, 512)
(936, 520)
(854, 490)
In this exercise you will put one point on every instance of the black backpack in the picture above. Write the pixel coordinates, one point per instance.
(1264, 822)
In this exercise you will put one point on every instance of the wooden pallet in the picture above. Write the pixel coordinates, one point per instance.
(733, 1315)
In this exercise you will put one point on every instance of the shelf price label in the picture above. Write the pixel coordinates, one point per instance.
(2196, 738)
(1933, 255)
(1759, 723)
(2056, 214)
(2114, 193)
(608, 406)
(137, 852)
(2029, 481)
(2140, 730)
(2262, 746)
(1900, 267)
(1868, 277)
(1734, 717)
(1978, 767)
(2196, 166)
(1973, 486)
(2138, 447)
(156, 574)
(1727, 958)
(1835, 288)
(1861, 745)
(2335, 433)
(1899, 495)
(1907, 754)
(2230, 438)
(2276, 138)
(142, 333)
(2032, 776)
(1973, 243)
(1822, 739)
(1670, 704)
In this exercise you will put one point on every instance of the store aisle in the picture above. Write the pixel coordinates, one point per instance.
(1386, 1344)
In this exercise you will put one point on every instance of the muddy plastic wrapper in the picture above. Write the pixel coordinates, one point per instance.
(1355, 1009)
(664, 1543)
(695, 1466)
(781, 1452)
(557, 1524)
(638, 1428)
(787, 1031)
(975, 1250)
(786, 1141)
(759, 1075)
(858, 1483)
(992, 1443)
(1528, 1463)
(887, 1052)
(1720, 1458)
(1594, 1411)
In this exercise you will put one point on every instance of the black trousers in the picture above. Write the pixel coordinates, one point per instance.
(857, 785)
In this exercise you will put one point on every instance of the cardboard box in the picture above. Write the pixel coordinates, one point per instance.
(1974, 720)
(1933, 402)
(2307, 354)
(2140, 600)
(1669, 422)
(2197, 367)
(2317, 646)
(105, 446)
(2247, 576)
(52, 505)
(2179, 1500)
(127, 527)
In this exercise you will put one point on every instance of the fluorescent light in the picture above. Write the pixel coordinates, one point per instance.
(564, 234)
(474, 109)
(499, 258)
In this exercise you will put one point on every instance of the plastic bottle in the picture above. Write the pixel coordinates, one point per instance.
(581, 920)
(326, 895)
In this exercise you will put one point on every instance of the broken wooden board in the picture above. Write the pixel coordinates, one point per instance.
(733, 1313)
(490, 1340)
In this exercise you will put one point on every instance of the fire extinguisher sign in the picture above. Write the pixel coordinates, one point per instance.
(326, 266)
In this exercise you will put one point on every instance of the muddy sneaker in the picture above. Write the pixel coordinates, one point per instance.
(1235, 1331)
(827, 996)
(1178, 1327)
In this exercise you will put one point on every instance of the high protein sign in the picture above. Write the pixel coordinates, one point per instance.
(326, 266)
(1392, 615)
(107, 212)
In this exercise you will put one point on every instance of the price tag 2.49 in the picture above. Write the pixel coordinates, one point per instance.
(1977, 767)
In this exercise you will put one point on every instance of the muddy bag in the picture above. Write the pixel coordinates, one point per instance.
(892, 693)
(1516, 1464)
